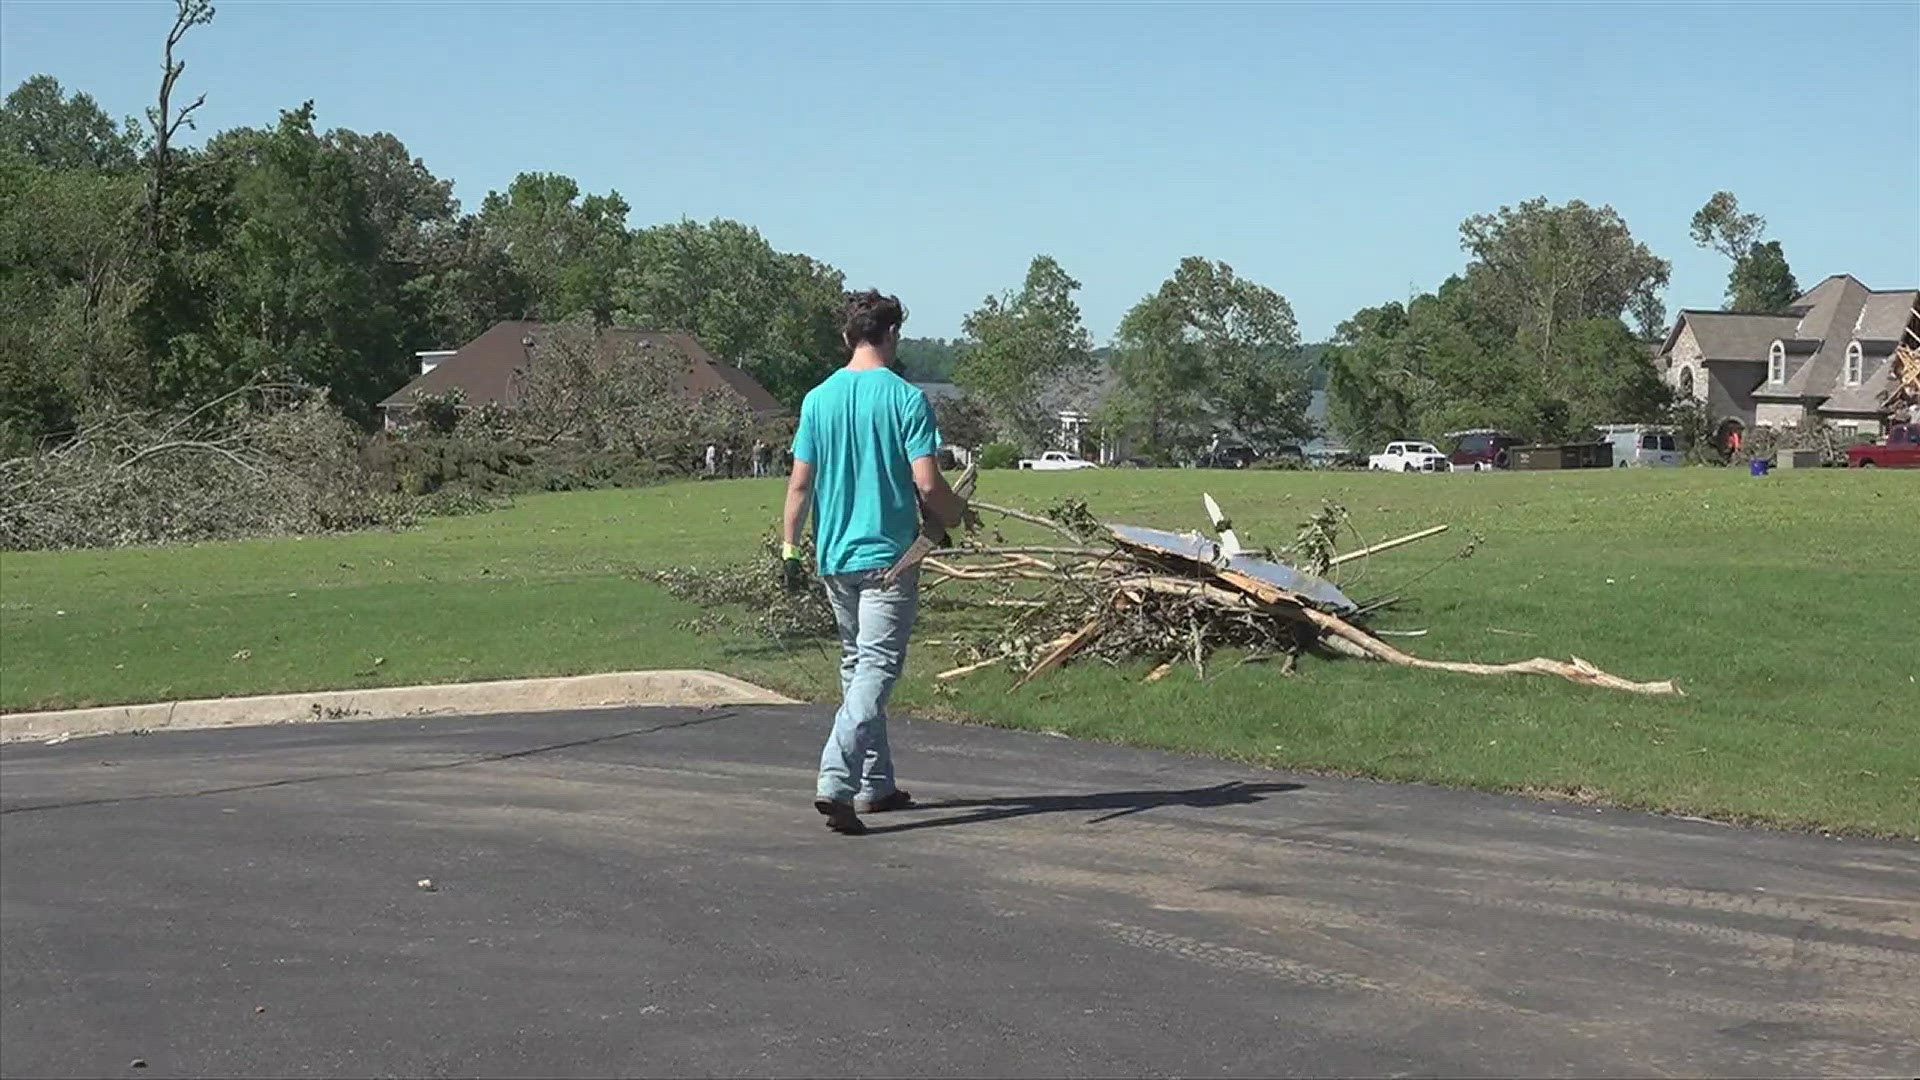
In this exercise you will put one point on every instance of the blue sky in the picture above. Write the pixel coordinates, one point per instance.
(1329, 152)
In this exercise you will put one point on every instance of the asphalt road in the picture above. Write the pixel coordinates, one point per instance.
(650, 892)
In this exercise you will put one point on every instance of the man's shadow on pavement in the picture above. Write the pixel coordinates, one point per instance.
(1121, 803)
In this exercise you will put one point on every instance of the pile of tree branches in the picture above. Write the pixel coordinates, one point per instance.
(1116, 594)
(267, 458)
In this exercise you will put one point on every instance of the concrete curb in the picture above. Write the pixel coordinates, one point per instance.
(624, 689)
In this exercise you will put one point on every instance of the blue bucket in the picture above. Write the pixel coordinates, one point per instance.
(1758, 466)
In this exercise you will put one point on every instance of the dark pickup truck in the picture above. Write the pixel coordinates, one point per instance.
(1900, 451)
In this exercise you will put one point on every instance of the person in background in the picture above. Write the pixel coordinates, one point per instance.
(713, 459)
(864, 470)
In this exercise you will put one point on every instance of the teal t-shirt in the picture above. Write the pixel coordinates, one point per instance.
(861, 431)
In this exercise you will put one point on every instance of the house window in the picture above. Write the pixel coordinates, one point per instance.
(1686, 382)
(1777, 363)
(1848, 432)
(1856, 364)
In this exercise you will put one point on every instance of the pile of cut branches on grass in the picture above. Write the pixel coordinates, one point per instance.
(1122, 592)
(265, 458)
(1119, 593)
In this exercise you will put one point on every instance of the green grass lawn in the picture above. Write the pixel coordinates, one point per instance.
(1784, 606)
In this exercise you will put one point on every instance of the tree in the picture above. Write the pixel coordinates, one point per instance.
(1720, 225)
(287, 276)
(1019, 343)
(1603, 376)
(962, 421)
(472, 285)
(568, 252)
(580, 389)
(40, 123)
(1759, 280)
(445, 281)
(1538, 267)
(928, 359)
(71, 277)
(412, 209)
(1762, 281)
(774, 314)
(162, 118)
(1435, 366)
(1210, 348)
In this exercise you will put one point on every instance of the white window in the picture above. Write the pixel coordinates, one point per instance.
(1856, 364)
(1849, 432)
(1777, 363)
(1686, 382)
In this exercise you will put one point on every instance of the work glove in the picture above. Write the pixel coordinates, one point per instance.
(792, 574)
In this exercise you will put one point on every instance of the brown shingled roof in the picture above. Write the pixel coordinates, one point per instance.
(483, 369)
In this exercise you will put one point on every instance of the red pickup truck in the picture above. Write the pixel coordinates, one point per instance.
(1900, 451)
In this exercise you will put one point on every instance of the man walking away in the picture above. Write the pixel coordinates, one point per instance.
(863, 463)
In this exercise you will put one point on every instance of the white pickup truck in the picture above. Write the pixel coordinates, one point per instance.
(1410, 457)
(1056, 459)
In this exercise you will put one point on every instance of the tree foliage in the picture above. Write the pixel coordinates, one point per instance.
(71, 277)
(1760, 279)
(1720, 225)
(1018, 344)
(928, 359)
(579, 387)
(1531, 338)
(42, 124)
(566, 248)
(772, 313)
(1211, 351)
(1537, 267)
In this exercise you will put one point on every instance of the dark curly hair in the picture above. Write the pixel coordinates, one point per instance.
(869, 317)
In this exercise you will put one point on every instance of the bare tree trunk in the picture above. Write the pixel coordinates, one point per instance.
(166, 123)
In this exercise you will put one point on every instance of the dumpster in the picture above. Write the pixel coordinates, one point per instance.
(1593, 455)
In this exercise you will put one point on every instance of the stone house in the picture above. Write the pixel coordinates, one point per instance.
(1827, 357)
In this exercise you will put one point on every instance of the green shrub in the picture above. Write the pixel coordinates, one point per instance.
(999, 455)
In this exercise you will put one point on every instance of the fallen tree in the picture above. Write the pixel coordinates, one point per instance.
(266, 458)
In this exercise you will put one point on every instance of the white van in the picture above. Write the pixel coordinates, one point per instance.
(1641, 444)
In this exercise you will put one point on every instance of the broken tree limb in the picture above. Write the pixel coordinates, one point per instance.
(1578, 671)
(1058, 654)
(968, 669)
(1026, 549)
(1031, 519)
(995, 574)
(1386, 545)
(1174, 586)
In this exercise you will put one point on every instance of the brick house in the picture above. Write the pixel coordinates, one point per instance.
(487, 369)
(1828, 357)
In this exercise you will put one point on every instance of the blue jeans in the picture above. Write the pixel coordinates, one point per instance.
(874, 622)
